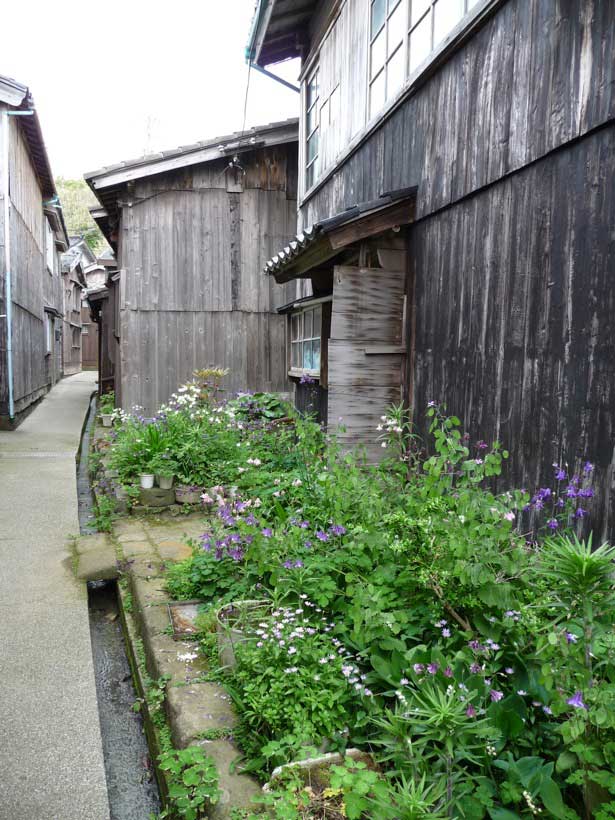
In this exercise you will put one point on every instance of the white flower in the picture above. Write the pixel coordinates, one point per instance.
(297, 482)
(379, 427)
(187, 657)
(384, 445)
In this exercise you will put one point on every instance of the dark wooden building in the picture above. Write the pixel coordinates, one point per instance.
(477, 141)
(32, 238)
(192, 229)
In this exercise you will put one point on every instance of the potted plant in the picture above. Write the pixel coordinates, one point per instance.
(234, 624)
(164, 469)
(106, 407)
(146, 478)
(187, 493)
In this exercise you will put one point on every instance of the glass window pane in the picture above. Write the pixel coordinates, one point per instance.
(420, 43)
(307, 324)
(417, 10)
(378, 55)
(296, 355)
(316, 354)
(310, 177)
(312, 146)
(312, 91)
(396, 28)
(447, 14)
(311, 120)
(392, 4)
(395, 72)
(376, 98)
(307, 355)
(324, 114)
(378, 13)
(294, 327)
(317, 331)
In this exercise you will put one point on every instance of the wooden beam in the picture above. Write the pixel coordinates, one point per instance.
(401, 213)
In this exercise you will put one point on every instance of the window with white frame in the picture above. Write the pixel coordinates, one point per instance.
(305, 335)
(430, 22)
(49, 246)
(311, 129)
(386, 50)
(85, 329)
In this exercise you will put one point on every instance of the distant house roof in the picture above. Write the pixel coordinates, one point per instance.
(107, 182)
(324, 240)
(275, 133)
(19, 98)
(279, 30)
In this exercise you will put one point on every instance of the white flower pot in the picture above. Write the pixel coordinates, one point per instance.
(107, 419)
(146, 481)
(165, 482)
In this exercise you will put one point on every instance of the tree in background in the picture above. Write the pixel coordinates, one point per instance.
(77, 199)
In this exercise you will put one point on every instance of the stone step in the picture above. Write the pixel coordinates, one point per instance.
(96, 558)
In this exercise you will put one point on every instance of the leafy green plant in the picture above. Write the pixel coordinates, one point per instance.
(106, 403)
(193, 782)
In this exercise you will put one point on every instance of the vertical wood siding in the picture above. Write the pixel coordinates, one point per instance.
(193, 247)
(515, 306)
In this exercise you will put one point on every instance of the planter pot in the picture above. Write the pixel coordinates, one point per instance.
(187, 495)
(314, 771)
(107, 419)
(165, 482)
(233, 623)
(146, 481)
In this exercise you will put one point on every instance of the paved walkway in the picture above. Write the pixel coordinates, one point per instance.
(51, 764)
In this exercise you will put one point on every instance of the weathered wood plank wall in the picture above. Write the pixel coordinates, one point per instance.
(193, 293)
(515, 324)
(536, 75)
(512, 145)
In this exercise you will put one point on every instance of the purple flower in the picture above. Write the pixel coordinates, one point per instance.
(471, 711)
(267, 532)
(560, 474)
(580, 512)
(547, 710)
(586, 492)
(571, 491)
(588, 467)
(419, 668)
(304, 525)
(446, 633)
(337, 529)
(298, 563)
(475, 645)
(475, 668)
(287, 564)
(322, 536)
(307, 544)
(552, 524)
(432, 668)
(495, 695)
(448, 672)
(577, 701)
(571, 637)
(250, 519)
(305, 379)
(482, 445)
(509, 670)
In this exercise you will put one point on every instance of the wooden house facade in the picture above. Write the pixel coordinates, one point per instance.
(456, 211)
(32, 239)
(74, 264)
(192, 229)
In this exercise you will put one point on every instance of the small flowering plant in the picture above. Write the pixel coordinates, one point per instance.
(295, 679)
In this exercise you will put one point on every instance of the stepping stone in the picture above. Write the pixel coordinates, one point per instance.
(174, 550)
(97, 565)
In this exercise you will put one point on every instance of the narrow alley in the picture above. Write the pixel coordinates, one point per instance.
(50, 750)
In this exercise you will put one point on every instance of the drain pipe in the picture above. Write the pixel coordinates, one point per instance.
(7, 260)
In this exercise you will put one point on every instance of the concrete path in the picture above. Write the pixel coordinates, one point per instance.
(51, 763)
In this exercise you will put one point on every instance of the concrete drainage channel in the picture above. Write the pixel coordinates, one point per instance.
(131, 783)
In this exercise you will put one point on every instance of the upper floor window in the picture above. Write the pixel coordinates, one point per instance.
(386, 50)
(430, 22)
(311, 129)
(49, 246)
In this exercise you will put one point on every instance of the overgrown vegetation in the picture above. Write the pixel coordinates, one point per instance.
(464, 637)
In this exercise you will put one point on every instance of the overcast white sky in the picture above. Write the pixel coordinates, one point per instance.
(119, 78)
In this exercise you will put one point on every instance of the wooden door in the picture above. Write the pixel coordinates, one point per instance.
(366, 352)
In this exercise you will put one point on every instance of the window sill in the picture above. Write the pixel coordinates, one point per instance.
(455, 39)
(297, 373)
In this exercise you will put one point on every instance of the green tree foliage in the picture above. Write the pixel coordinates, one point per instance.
(77, 199)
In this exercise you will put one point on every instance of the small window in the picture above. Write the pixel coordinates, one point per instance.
(48, 333)
(305, 336)
(430, 22)
(85, 330)
(49, 246)
(76, 297)
(76, 337)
